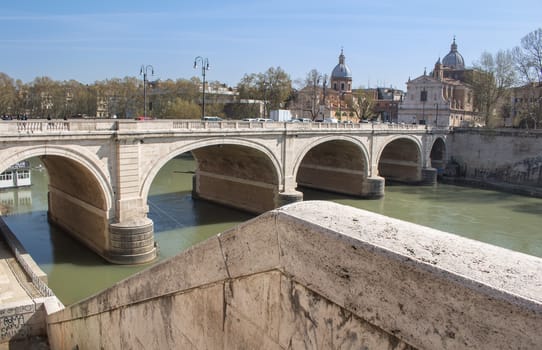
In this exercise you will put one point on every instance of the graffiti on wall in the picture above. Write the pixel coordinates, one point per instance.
(13, 321)
(525, 172)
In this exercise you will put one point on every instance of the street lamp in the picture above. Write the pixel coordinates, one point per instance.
(436, 118)
(144, 71)
(204, 62)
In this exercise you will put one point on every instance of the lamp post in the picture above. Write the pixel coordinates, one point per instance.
(204, 62)
(144, 71)
(436, 117)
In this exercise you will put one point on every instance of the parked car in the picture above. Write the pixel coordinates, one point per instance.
(330, 120)
(212, 119)
(265, 120)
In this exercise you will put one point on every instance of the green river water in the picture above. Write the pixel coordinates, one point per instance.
(74, 272)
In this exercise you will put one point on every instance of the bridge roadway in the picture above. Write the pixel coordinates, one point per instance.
(101, 170)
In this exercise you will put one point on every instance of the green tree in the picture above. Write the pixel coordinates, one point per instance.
(274, 87)
(180, 108)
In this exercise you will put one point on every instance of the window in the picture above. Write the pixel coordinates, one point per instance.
(423, 96)
(6, 176)
(23, 174)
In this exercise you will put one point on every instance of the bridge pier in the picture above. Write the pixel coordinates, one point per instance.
(131, 243)
(373, 187)
(289, 197)
(429, 176)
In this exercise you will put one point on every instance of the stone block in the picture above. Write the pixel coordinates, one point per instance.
(251, 247)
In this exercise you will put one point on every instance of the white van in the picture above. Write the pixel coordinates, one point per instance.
(330, 120)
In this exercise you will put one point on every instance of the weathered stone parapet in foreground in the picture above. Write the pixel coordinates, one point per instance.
(318, 275)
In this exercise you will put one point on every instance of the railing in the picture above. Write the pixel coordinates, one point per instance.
(21, 258)
(108, 125)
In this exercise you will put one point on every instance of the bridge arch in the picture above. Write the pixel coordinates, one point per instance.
(87, 161)
(80, 197)
(401, 159)
(334, 163)
(235, 172)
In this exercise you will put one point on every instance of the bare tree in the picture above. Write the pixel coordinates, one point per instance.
(528, 57)
(491, 81)
(7, 94)
(361, 103)
(312, 87)
(528, 60)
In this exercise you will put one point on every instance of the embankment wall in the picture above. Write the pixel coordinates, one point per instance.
(509, 158)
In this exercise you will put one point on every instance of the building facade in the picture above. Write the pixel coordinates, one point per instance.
(442, 98)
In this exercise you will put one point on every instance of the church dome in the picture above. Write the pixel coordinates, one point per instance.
(341, 70)
(454, 59)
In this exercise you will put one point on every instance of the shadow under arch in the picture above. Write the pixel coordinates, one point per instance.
(79, 196)
(232, 172)
(400, 160)
(438, 155)
(336, 164)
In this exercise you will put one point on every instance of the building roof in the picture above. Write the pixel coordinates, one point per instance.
(454, 59)
(341, 70)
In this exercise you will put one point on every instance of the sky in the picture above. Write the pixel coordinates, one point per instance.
(385, 42)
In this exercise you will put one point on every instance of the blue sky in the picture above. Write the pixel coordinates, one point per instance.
(385, 42)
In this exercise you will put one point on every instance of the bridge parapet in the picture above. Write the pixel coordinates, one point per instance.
(36, 126)
(319, 273)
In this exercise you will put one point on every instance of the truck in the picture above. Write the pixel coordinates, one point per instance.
(280, 115)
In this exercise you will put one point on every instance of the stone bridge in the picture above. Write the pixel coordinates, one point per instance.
(101, 171)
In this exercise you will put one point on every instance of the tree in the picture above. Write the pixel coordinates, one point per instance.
(179, 108)
(528, 57)
(491, 80)
(312, 91)
(528, 60)
(7, 94)
(361, 103)
(273, 87)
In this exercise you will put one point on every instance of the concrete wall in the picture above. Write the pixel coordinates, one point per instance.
(511, 156)
(318, 275)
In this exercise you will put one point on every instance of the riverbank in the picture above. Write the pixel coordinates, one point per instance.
(521, 190)
(23, 296)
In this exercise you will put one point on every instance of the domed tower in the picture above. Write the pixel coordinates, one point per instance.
(341, 76)
(453, 59)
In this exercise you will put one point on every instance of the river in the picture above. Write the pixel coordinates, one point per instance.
(75, 272)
